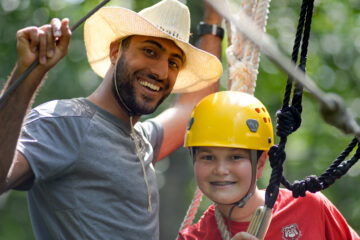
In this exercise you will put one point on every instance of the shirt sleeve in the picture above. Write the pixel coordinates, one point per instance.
(336, 226)
(50, 145)
(154, 133)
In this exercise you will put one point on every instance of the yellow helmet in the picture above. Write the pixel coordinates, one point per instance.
(230, 119)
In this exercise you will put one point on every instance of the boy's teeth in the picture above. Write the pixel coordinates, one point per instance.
(222, 183)
(150, 85)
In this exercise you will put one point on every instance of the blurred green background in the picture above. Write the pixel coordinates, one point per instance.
(333, 63)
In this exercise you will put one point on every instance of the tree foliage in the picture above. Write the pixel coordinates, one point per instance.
(333, 62)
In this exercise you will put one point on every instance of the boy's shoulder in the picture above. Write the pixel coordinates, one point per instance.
(208, 217)
(286, 199)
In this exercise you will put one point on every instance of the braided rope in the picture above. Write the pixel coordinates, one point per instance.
(224, 232)
(192, 210)
(337, 169)
(239, 40)
(261, 16)
(249, 8)
(243, 56)
(289, 117)
(305, 16)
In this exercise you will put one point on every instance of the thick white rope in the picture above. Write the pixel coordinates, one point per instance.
(243, 55)
(223, 229)
(260, 17)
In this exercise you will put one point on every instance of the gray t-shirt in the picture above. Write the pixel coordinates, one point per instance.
(89, 182)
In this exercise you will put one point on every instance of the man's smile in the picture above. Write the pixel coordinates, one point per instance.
(149, 85)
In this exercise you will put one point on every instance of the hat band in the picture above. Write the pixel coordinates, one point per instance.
(172, 33)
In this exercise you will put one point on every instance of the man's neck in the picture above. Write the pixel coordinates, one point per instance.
(104, 98)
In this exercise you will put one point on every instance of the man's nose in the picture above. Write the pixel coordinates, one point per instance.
(160, 68)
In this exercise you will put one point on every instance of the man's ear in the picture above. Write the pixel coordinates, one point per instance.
(261, 165)
(114, 51)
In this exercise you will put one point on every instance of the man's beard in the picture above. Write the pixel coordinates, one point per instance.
(126, 94)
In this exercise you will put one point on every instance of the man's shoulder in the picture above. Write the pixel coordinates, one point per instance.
(65, 107)
(75, 107)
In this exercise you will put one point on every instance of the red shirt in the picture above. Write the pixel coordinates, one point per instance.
(312, 217)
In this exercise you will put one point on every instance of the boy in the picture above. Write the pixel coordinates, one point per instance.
(228, 135)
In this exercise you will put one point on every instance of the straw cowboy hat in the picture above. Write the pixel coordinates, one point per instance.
(167, 19)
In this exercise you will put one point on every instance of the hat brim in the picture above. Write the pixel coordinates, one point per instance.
(200, 70)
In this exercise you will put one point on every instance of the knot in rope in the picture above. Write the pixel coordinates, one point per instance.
(310, 183)
(288, 121)
(277, 156)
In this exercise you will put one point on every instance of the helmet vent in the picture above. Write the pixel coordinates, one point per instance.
(257, 110)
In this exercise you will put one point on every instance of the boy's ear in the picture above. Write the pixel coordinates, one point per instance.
(114, 51)
(261, 165)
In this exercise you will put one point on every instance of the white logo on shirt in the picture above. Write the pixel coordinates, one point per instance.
(291, 232)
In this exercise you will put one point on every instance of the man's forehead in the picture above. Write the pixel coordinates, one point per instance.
(163, 43)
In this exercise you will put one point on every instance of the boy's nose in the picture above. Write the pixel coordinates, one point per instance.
(222, 168)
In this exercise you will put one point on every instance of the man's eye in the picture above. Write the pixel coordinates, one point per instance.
(149, 52)
(173, 64)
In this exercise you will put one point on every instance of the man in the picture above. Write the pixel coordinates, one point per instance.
(88, 162)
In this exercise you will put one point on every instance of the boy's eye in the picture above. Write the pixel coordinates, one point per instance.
(237, 157)
(207, 157)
